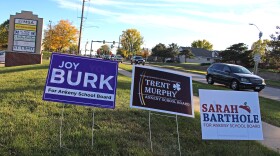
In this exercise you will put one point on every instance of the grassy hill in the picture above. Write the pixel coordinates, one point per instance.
(30, 126)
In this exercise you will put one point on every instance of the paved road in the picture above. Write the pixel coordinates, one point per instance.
(271, 133)
(267, 92)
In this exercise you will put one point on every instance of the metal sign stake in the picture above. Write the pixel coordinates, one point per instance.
(178, 135)
(150, 131)
(60, 130)
(92, 127)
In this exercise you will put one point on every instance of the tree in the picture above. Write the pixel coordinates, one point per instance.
(247, 58)
(98, 52)
(159, 51)
(261, 47)
(73, 49)
(122, 52)
(174, 49)
(202, 44)
(274, 49)
(105, 50)
(164, 52)
(233, 53)
(61, 36)
(4, 33)
(145, 52)
(131, 41)
(188, 54)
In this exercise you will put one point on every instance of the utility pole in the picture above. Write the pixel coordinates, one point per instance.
(50, 35)
(81, 27)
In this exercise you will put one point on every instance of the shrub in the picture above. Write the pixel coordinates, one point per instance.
(46, 55)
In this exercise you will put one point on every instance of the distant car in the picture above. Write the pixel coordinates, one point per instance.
(118, 58)
(106, 57)
(137, 60)
(2, 56)
(235, 76)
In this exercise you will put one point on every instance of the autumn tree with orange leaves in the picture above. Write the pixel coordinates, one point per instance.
(60, 37)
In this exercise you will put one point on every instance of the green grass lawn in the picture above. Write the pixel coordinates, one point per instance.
(30, 126)
(273, 83)
(125, 67)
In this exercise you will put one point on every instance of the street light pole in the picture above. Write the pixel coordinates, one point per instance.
(50, 43)
(257, 55)
(119, 41)
(86, 48)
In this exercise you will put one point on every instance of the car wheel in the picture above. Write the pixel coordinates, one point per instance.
(210, 80)
(143, 64)
(234, 85)
(257, 90)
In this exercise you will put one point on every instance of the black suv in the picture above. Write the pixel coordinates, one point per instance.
(137, 60)
(235, 76)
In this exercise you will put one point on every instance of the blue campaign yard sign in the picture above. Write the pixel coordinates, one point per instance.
(81, 80)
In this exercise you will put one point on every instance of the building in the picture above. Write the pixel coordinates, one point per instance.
(200, 55)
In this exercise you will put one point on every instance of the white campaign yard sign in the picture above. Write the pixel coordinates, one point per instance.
(230, 115)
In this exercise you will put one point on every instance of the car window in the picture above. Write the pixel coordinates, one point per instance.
(217, 67)
(138, 57)
(226, 68)
(240, 69)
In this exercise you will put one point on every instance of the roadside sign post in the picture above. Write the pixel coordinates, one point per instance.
(177, 128)
(257, 59)
(150, 131)
(81, 81)
(162, 91)
(60, 129)
(92, 129)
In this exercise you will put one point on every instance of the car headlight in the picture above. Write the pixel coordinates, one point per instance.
(244, 80)
(263, 82)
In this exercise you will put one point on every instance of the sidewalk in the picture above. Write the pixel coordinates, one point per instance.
(271, 133)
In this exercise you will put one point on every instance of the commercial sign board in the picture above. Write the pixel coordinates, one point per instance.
(25, 35)
(230, 115)
(162, 91)
(81, 80)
